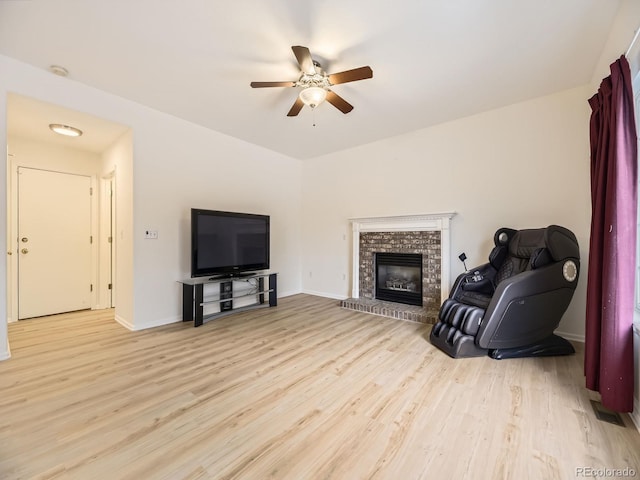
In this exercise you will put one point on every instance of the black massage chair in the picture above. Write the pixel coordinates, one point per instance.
(510, 306)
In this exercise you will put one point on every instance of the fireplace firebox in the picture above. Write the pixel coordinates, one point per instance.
(399, 277)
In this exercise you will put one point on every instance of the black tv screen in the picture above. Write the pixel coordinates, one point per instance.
(227, 243)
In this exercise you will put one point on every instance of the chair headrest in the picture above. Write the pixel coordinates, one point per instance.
(562, 243)
(503, 236)
(525, 242)
(559, 241)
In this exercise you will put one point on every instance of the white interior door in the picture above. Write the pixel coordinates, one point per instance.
(54, 242)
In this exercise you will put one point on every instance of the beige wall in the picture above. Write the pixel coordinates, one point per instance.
(178, 166)
(523, 166)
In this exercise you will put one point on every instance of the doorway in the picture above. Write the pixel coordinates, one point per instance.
(105, 151)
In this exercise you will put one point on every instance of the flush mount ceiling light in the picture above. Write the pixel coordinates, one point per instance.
(65, 130)
(313, 96)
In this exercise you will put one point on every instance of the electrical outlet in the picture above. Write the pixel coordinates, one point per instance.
(153, 234)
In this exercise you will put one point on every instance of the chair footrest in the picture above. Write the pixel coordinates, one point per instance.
(455, 343)
(465, 318)
(550, 346)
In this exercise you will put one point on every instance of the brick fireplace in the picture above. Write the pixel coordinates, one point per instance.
(426, 236)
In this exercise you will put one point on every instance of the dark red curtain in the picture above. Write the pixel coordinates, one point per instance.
(608, 361)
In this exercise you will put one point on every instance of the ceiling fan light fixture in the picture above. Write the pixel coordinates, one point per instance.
(315, 83)
(65, 130)
(313, 96)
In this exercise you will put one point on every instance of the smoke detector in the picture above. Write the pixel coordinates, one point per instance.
(58, 70)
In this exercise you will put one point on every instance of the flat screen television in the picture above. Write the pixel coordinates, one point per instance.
(228, 243)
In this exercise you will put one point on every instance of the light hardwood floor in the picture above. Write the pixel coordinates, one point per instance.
(305, 390)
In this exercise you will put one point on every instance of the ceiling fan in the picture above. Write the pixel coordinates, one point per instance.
(316, 83)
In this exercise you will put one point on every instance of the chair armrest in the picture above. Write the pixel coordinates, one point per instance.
(544, 291)
(476, 276)
(533, 282)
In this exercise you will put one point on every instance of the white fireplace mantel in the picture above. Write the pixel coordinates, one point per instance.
(428, 222)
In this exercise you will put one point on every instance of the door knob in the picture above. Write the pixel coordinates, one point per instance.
(25, 250)
(24, 239)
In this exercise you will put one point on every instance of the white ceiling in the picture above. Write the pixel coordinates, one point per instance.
(433, 60)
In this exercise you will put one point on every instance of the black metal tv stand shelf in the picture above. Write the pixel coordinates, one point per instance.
(194, 302)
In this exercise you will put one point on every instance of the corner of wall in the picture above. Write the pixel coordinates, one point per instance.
(635, 415)
(626, 22)
(6, 354)
(570, 336)
(125, 323)
(135, 328)
(333, 296)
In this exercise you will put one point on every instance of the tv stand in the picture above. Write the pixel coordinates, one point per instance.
(194, 302)
(230, 276)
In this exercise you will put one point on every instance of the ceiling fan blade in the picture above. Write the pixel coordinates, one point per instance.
(339, 102)
(295, 110)
(351, 75)
(304, 59)
(272, 84)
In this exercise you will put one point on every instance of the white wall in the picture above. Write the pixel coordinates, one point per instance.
(187, 166)
(523, 166)
(176, 165)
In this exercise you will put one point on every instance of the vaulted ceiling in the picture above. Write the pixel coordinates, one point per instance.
(433, 60)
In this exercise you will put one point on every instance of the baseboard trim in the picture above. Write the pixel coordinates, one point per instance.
(167, 321)
(635, 415)
(124, 323)
(325, 295)
(571, 336)
(6, 355)
(137, 328)
(289, 294)
(159, 323)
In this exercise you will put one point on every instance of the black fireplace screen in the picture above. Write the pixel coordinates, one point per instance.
(399, 277)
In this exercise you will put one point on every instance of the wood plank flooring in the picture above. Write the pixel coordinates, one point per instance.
(305, 390)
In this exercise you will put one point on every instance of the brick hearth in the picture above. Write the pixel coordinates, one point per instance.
(390, 309)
